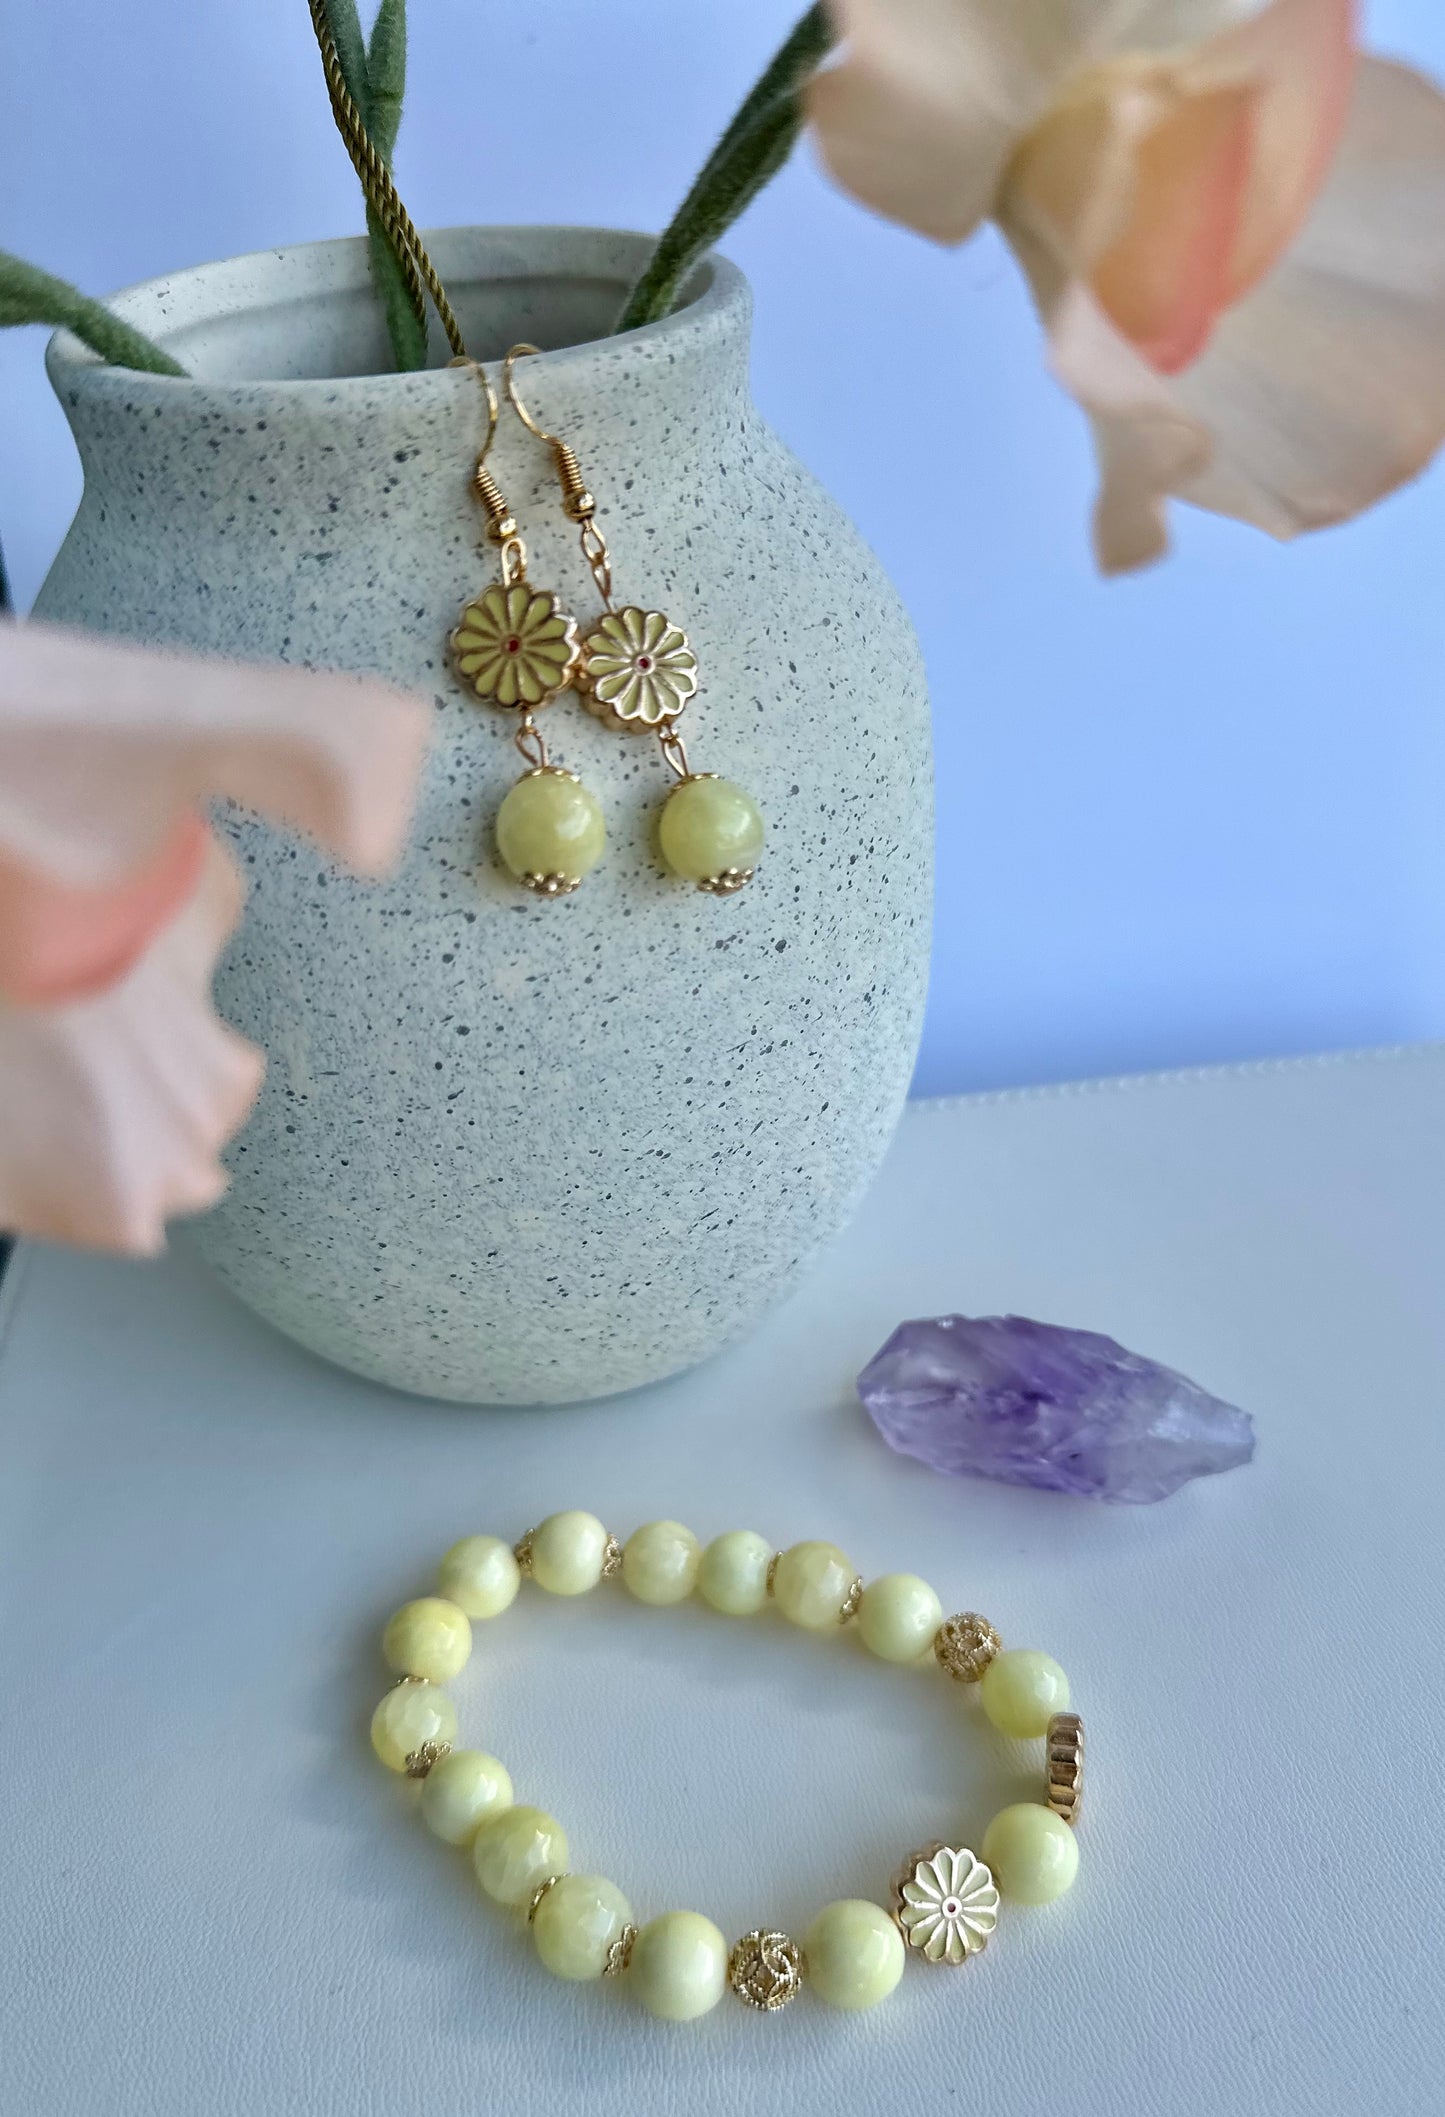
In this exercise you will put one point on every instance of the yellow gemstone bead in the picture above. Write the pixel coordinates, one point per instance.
(854, 1953)
(576, 1923)
(430, 1638)
(708, 826)
(567, 1552)
(733, 1573)
(899, 1616)
(679, 1965)
(660, 1562)
(550, 824)
(461, 1792)
(1033, 1853)
(407, 1719)
(812, 1584)
(480, 1575)
(514, 1853)
(1022, 1690)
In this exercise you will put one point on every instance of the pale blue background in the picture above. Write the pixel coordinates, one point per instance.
(1194, 816)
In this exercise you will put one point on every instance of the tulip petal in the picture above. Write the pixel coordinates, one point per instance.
(117, 1106)
(105, 747)
(59, 943)
(1320, 392)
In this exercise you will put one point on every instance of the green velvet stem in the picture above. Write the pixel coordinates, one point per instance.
(749, 155)
(28, 295)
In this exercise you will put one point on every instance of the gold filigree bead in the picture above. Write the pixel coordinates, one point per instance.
(765, 1970)
(965, 1645)
(1065, 1751)
(946, 1902)
(852, 1601)
(420, 1761)
(611, 1558)
(538, 1893)
(619, 1955)
(522, 1552)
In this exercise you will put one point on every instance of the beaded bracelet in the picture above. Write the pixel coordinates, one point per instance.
(945, 1899)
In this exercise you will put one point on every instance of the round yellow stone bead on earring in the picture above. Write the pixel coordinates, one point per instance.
(660, 1562)
(480, 1575)
(576, 1924)
(550, 831)
(516, 1851)
(711, 832)
(409, 1717)
(461, 1792)
(1021, 1691)
(679, 1965)
(733, 1574)
(854, 1953)
(1033, 1853)
(568, 1552)
(812, 1583)
(898, 1617)
(429, 1637)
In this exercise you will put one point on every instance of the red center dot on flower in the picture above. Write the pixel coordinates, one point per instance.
(644, 661)
(513, 644)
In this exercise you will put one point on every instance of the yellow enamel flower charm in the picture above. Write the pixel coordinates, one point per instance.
(516, 646)
(638, 669)
(946, 1902)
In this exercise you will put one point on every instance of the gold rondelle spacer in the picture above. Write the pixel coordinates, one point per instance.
(773, 1564)
(1064, 1747)
(732, 879)
(539, 1892)
(965, 1645)
(852, 1601)
(551, 885)
(420, 1761)
(400, 1680)
(619, 1955)
(765, 1970)
(522, 1552)
(611, 1558)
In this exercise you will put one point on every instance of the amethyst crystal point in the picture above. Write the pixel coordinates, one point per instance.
(1034, 1404)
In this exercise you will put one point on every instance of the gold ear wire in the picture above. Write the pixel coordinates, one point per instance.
(501, 522)
(577, 502)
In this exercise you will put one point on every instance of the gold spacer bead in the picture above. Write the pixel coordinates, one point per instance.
(773, 1564)
(551, 885)
(852, 1601)
(732, 879)
(619, 1955)
(538, 1893)
(400, 1680)
(420, 1761)
(965, 1645)
(611, 1558)
(1064, 1748)
(522, 1552)
(765, 1970)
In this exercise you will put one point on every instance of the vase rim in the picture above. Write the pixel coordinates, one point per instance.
(468, 255)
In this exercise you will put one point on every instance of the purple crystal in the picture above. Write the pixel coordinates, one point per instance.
(1035, 1404)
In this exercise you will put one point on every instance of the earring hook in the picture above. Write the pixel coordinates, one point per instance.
(465, 360)
(509, 381)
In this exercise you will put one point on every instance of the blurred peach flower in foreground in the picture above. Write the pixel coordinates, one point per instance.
(118, 1083)
(1233, 225)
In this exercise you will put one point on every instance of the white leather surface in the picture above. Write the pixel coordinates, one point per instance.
(212, 1900)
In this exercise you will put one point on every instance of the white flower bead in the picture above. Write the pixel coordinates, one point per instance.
(514, 1853)
(898, 1617)
(812, 1583)
(408, 1718)
(461, 1791)
(567, 1553)
(480, 1575)
(679, 1965)
(733, 1573)
(660, 1562)
(576, 1923)
(854, 1953)
(430, 1638)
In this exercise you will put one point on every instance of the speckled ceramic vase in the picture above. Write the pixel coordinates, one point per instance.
(512, 1150)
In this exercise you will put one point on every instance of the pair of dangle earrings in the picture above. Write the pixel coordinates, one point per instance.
(517, 648)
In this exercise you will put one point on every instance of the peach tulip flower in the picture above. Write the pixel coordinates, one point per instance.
(1233, 226)
(118, 1083)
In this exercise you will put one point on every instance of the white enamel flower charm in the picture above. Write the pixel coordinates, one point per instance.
(946, 1902)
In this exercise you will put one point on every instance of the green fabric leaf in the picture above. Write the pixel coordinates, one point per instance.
(386, 76)
(376, 82)
(749, 155)
(28, 295)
